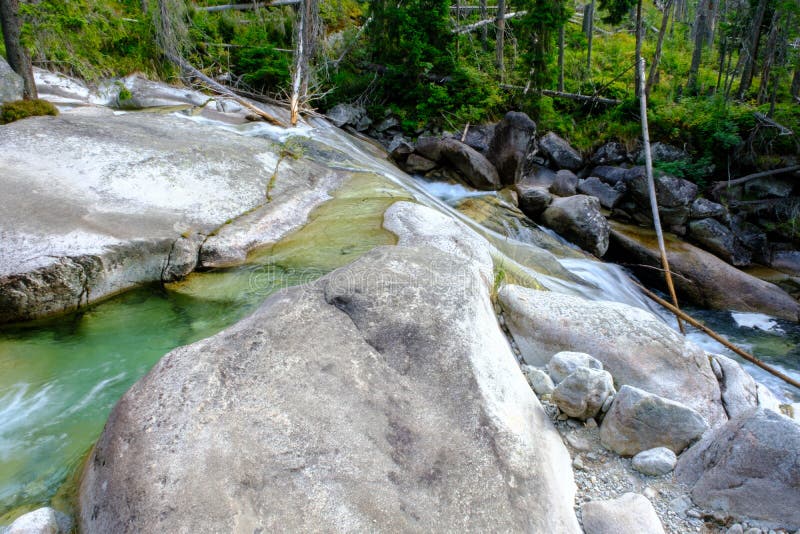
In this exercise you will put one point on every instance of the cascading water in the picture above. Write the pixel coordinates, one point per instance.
(60, 378)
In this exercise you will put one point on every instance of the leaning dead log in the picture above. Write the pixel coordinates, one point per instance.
(718, 186)
(192, 72)
(486, 22)
(763, 119)
(594, 99)
(248, 6)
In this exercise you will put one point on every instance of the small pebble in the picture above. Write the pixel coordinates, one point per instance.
(577, 463)
(591, 423)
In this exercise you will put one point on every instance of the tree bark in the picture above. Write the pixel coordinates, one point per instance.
(561, 58)
(769, 59)
(651, 78)
(651, 188)
(589, 22)
(501, 35)
(484, 29)
(18, 57)
(699, 33)
(750, 49)
(639, 39)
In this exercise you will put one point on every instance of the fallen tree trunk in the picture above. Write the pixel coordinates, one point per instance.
(571, 96)
(744, 179)
(481, 23)
(763, 119)
(218, 88)
(248, 6)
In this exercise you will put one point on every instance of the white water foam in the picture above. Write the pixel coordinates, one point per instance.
(756, 320)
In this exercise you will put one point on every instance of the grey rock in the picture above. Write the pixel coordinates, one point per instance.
(681, 504)
(418, 164)
(514, 137)
(41, 521)
(748, 469)
(540, 381)
(538, 176)
(718, 239)
(123, 200)
(770, 187)
(634, 345)
(560, 153)
(335, 399)
(11, 84)
(609, 174)
(578, 219)
(767, 399)
(610, 153)
(399, 149)
(480, 136)
(146, 94)
(703, 208)
(739, 391)
(630, 513)
(564, 363)
(753, 237)
(582, 393)
(787, 261)
(346, 115)
(385, 124)
(226, 105)
(655, 462)
(608, 196)
(564, 184)
(670, 191)
(533, 200)
(703, 279)
(666, 153)
(736, 528)
(476, 169)
(471, 164)
(639, 420)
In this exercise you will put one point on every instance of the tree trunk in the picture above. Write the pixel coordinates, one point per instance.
(302, 52)
(589, 22)
(750, 49)
(769, 59)
(500, 21)
(653, 76)
(18, 57)
(561, 58)
(485, 29)
(639, 39)
(699, 33)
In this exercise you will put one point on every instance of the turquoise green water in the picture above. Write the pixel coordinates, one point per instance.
(59, 379)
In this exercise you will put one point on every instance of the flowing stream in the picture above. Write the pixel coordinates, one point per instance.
(60, 378)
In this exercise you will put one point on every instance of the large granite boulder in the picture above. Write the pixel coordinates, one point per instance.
(564, 184)
(674, 195)
(136, 92)
(533, 199)
(560, 153)
(639, 421)
(335, 407)
(611, 153)
(739, 390)
(630, 513)
(718, 239)
(128, 199)
(634, 345)
(699, 276)
(11, 84)
(578, 219)
(40, 521)
(476, 170)
(748, 469)
(609, 196)
(514, 138)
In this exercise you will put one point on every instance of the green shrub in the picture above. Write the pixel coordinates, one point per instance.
(20, 109)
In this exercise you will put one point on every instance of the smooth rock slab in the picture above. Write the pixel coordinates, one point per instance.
(128, 199)
(748, 469)
(41, 521)
(634, 345)
(384, 396)
(655, 462)
(629, 514)
(638, 421)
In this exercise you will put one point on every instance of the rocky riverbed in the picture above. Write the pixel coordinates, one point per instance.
(452, 379)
